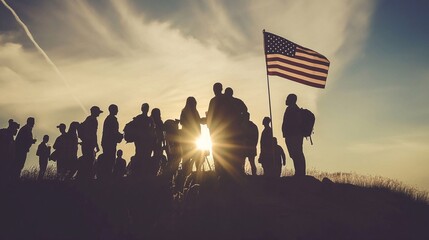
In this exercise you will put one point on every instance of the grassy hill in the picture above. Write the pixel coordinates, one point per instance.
(251, 208)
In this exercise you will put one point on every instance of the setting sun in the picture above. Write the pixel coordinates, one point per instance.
(204, 141)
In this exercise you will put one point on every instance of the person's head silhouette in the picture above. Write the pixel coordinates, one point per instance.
(13, 126)
(156, 114)
(274, 140)
(74, 126)
(46, 138)
(217, 88)
(145, 108)
(62, 128)
(191, 102)
(229, 92)
(266, 122)
(95, 111)
(113, 109)
(119, 153)
(30, 122)
(291, 99)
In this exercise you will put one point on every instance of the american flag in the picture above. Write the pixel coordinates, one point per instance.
(294, 62)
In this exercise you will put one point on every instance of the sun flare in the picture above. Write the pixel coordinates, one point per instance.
(204, 142)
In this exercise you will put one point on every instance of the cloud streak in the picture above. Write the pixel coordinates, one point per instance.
(48, 60)
(115, 52)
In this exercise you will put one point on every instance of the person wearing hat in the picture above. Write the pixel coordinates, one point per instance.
(60, 153)
(88, 135)
(7, 149)
(24, 140)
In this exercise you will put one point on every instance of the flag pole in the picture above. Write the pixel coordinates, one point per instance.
(268, 84)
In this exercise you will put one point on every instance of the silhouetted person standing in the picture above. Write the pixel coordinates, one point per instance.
(143, 141)
(43, 151)
(71, 148)
(173, 136)
(158, 140)
(279, 159)
(24, 140)
(234, 118)
(88, 135)
(249, 140)
(238, 107)
(7, 150)
(120, 168)
(292, 133)
(216, 124)
(61, 153)
(111, 137)
(266, 143)
(191, 130)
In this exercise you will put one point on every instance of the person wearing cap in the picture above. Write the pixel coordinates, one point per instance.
(24, 141)
(60, 151)
(88, 135)
(7, 149)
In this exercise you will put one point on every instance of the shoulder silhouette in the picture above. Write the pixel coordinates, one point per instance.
(294, 134)
(43, 151)
(8, 150)
(24, 141)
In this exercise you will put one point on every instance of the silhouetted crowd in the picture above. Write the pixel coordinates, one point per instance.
(160, 147)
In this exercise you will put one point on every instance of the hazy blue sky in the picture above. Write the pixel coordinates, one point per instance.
(371, 118)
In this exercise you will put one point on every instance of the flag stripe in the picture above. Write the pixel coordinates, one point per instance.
(312, 58)
(320, 84)
(307, 79)
(301, 48)
(298, 70)
(307, 54)
(298, 61)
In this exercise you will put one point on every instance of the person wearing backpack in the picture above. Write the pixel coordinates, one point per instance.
(88, 134)
(140, 131)
(293, 134)
(7, 150)
(23, 142)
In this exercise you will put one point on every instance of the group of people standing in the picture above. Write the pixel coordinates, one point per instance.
(160, 146)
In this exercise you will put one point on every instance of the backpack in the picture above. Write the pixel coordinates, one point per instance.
(81, 131)
(130, 131)
(307, 125)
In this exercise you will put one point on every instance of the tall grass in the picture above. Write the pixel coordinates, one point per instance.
(33, 173)
(367, 181)
(370, 181)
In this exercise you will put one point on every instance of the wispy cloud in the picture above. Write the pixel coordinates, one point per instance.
(112, 52)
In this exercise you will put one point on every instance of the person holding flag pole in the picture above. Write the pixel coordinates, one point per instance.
(291, 61)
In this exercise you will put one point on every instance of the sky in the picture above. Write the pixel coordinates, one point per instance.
(371, 118)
